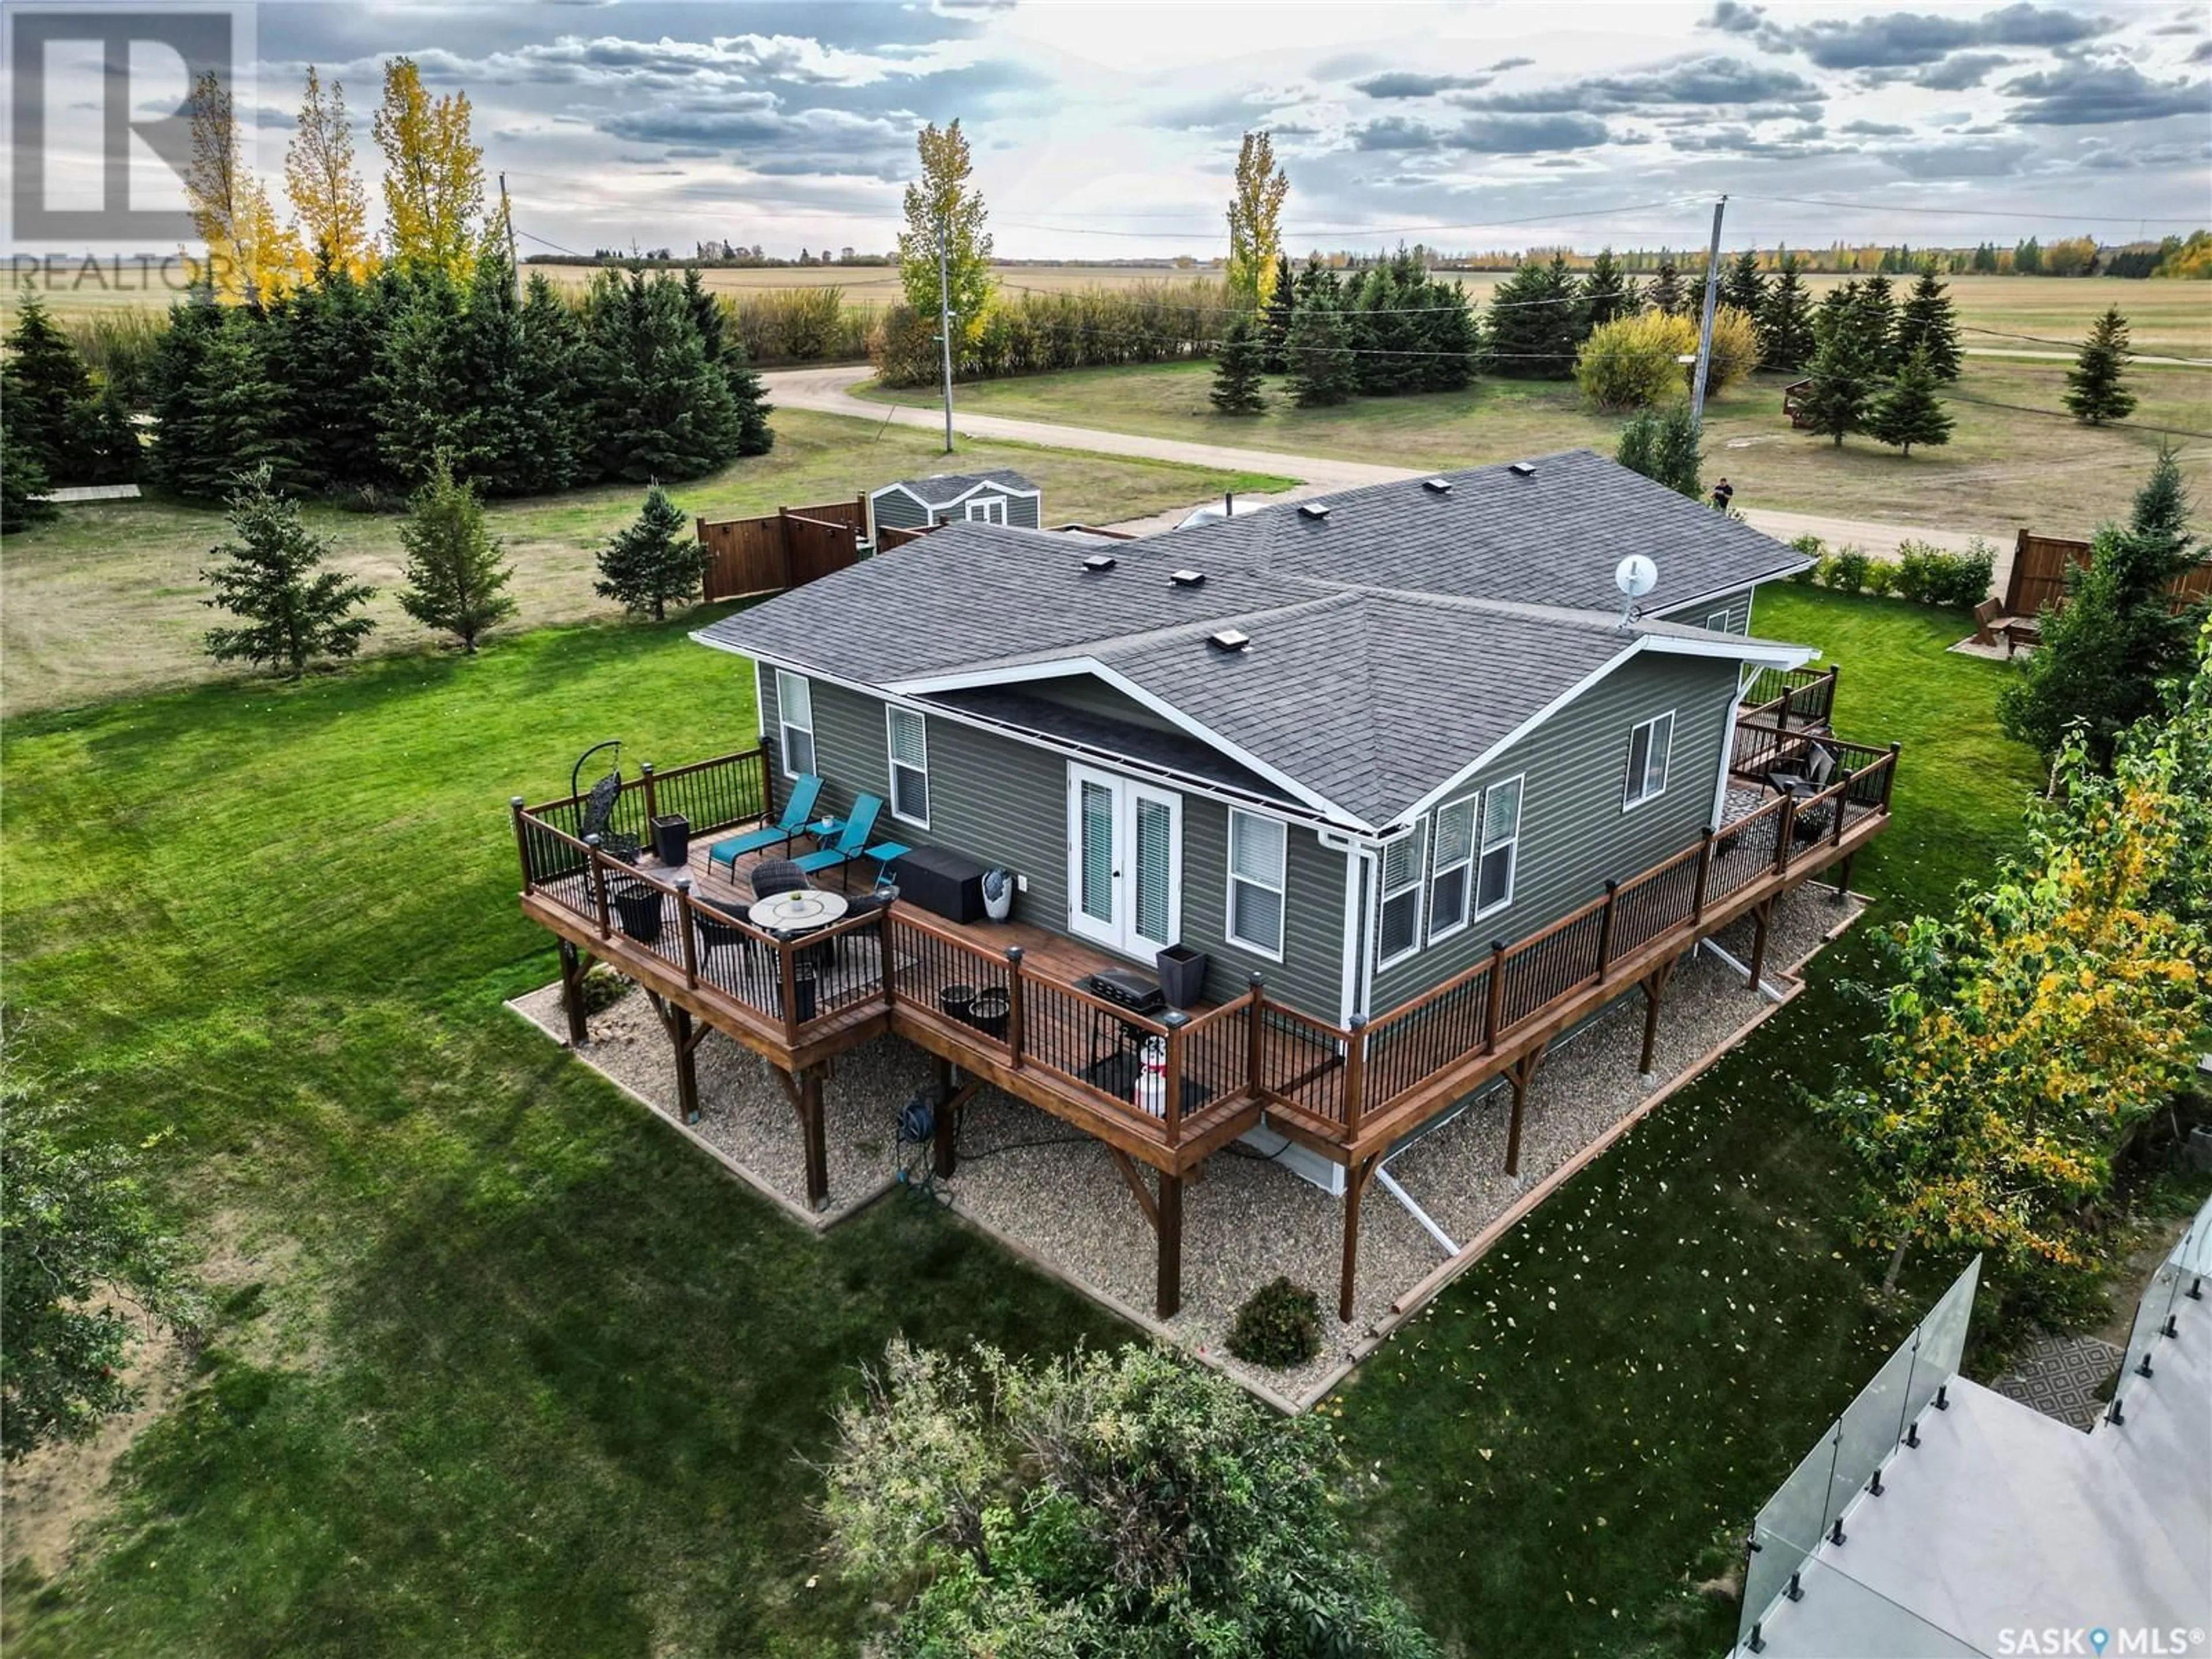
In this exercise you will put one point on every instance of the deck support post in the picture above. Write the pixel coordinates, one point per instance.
(1356, 1178)
(1654, 991)
(1168, 1302)
(1759, 914)
(941, 1139)
(817, 1151)
(1843, 879)
(572, 969)
(682, 1038)
(1520, 1074)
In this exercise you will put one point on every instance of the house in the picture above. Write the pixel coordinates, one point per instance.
(1404, 765)
(1001, 497)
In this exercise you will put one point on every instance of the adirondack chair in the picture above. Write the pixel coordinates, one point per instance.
(797, 811)
(853, 843)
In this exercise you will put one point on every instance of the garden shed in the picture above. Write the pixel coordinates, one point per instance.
(1001, 497)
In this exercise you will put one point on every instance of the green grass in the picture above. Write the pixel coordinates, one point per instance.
(1582, 1426)
(2001, 469)
(106, 600)
(503, 1366)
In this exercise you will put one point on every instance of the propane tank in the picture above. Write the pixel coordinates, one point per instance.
(1153, 1076)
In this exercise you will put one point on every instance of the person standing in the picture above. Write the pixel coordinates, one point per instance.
(1723, 493)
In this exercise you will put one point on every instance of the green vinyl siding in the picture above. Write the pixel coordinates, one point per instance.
(1574, 832)
(1735, 606)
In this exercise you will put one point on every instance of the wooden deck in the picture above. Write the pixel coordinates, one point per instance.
(1005, 1002)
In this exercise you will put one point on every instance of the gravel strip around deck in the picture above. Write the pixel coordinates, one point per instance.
(744, 1112)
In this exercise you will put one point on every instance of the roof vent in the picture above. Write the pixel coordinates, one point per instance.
(1188, 578)
(1313, 509)
(1522, 468)
(1436, 486)
(1099, 562)
(1229, 639)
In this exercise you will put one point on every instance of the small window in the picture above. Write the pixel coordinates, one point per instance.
(987, 509)
(1647, 759)
(910, 758)
(794, 712)
(1720, 621)
(1454, 853)
(1501, 846)
(1398, 930)
(1255, 881)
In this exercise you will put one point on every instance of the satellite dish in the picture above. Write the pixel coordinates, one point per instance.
(1635, 576)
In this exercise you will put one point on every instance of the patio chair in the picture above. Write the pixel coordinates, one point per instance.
(598, 813)
(717, 934)
(797, 812)
(774, 876)
(853, 843)
(1815, 765)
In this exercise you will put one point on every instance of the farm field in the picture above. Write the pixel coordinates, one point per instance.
(2002, 468)
(107, 600)
(498, 1364)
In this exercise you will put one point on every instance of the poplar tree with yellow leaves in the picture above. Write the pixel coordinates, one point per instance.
(251, 257)
(329, 200)
(1255, 221)
(940, 206)
(432, 174)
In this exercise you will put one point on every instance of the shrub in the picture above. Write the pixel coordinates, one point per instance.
(1026, 333)
(1279, 1325)
(799, 325)
(1813, 549)
(1883, 578)
(1928, 575)
(1846, 571)
(1631, 361)
(603, 989)
(1736, 350)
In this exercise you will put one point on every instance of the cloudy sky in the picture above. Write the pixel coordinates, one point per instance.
(1108, 130)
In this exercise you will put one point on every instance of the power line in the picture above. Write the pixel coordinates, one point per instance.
(1302, 232)
(1981, 213)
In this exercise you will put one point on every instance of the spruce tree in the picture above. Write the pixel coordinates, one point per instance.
(425, 401)
(1534, 322)
(553, 397)
(23, 487)
(500, 430)
(1843, 382)
(1450, 337)
(1875, 325)
(113, 452)
(727, 352)
(1785, 320)
(2095, 386)
(661, 409)
(1743, 284)
(1322, 368)
(293, 609)
(219, 413)
(1236, 388)
(457, 570)
(1929, 322)
(1607, 292)
(323, 355)
(1282, 307)
(1665, 292)
(654, 560)
(1908, 411)
(48, 394)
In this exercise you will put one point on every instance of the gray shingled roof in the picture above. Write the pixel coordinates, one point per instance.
(947, 488)
(1383, 661)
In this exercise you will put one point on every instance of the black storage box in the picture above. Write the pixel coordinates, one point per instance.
(941, 881)
(672, 838)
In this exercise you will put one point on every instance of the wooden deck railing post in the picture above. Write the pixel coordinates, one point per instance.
(1355, 1075)
(1704, 875)
(1016, 1018)
(1785, 834)
(1252, 1033)
(1782, 715)
(1604, 928)
(651, 805)
(521, 841)
(1493, 1011)
(1889, 778)
(1835, 673)
(886, 957)
(787, 981)
(691, 932)
(1843, 804)
(1175, 1020)
(600, 885)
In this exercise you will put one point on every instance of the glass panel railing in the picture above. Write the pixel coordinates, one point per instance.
(2140, 1363)
(1789, 1529)
(1942, 1337)
(1869, 1431)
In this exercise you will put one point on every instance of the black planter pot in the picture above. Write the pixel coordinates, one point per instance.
(1182, 975)
(959, 1001)
(672, 838)
(639, 906)
(990, 1011)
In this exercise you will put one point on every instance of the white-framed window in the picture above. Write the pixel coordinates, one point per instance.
(1398, 925)
(987, 509)
(1501, 846)
(1722, 622)
(1257, 863)
(794, 713)
(1648, 744)
(907, 741)
(1447, 878)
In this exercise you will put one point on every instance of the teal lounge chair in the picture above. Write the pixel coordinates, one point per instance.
(851, 842)
(797, 811)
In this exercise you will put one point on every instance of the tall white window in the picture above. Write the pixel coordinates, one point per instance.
(1398, 929)
(1647, 759)
(987, 509)
(1455, 852)
(795, 713)
(1501, 843)
(1256, 847)
(910, 758)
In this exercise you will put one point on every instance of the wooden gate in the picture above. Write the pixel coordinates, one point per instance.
(2039, 564)
(795, 545)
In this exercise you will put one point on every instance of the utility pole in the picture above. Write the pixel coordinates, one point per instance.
(1705, 328)
(944, 317)
(507, 218)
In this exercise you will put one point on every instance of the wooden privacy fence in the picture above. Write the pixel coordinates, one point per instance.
(2039, 564)
(789, 548)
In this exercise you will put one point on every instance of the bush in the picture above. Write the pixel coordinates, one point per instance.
(1813, 549)
(1883, 578)
(1928, 575)
(1736, 350)
(1846, 571)
(1279, 1325)
(1027, 334)
(799, 325)
(1630, 363)
(603, 989)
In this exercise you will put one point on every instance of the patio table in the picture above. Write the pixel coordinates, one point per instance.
(802, 911)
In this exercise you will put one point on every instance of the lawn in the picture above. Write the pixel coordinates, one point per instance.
(2001, 470)
(107, 600)
(502, 1366)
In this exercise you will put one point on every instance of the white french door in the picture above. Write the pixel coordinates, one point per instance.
(1125, 862)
